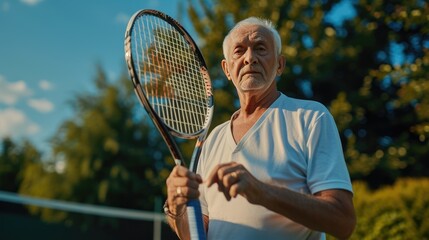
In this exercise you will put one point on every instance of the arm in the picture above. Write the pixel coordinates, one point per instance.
(329, 211)
(181, 227)
(179, 223)
(182, 185)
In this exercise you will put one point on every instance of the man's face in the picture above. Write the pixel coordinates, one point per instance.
(252, 62)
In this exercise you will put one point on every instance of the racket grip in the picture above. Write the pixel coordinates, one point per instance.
(195, 220)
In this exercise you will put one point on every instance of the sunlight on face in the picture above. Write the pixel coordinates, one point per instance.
(252, 62)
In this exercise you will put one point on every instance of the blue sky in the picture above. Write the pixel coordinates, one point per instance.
(48, 53)
(49, 50)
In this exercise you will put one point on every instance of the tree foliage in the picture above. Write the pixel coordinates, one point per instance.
(13, 159)
(107, 154)
(370, 69)
(394, 212)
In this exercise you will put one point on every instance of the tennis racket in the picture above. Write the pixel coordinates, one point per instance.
(171, 81)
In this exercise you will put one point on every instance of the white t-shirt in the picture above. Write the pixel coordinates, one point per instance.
(294, 144)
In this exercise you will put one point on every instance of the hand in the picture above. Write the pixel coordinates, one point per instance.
(234, 179)
(182, 185)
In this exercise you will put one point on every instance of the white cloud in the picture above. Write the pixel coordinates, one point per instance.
(11, 92)
(31, 2)
(45, 85)
(41, 105)
(15, 123)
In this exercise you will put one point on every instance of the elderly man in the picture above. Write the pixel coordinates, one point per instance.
(276, 169)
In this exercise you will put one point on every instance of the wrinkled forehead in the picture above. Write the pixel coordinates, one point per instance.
(250, 34)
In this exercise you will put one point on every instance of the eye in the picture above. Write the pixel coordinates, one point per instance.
(261, 48)
(238, 51)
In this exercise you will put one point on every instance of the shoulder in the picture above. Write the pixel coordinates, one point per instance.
(302, 109)
(295, 104)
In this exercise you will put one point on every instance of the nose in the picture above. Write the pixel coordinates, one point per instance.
(250, 57)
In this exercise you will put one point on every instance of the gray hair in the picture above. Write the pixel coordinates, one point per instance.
(255, 21)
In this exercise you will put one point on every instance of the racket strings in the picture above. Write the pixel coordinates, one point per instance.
(171, 75)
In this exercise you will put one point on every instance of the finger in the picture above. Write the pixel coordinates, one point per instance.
(213, 176)
(184, 182)
(179, 202)
(177, 195)
(229, 182)
(217, 176)
(235, 190)
(179, 191)
(229, 179)
(217, 173)
(174, 171)
(186, 192)
(225, 180)
(221, 188)
(176, 199)
(181, 171)
(198, 178)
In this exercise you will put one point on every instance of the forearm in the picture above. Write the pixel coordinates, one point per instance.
(329, 211)
(180, 225)
(325, 212)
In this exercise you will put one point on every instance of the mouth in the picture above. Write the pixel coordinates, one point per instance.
(250, 73)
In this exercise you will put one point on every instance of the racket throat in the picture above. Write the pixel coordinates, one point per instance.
(178, 162)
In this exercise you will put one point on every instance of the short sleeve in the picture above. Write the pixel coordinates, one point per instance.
(326, 168)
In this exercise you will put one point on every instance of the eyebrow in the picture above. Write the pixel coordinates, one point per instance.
(258, 40)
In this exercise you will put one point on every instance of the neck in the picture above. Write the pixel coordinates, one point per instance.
(254, 106)
(251, 102)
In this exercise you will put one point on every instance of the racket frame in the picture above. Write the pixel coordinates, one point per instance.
(167, 133)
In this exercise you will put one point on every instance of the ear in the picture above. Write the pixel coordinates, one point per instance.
(225, 69)
(281, 65)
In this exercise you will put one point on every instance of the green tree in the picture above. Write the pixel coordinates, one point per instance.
(110, 155)
(386, 135)
(13, 159)
(392, 212)
(370, 70)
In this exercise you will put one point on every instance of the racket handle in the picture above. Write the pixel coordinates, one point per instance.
(195, 220)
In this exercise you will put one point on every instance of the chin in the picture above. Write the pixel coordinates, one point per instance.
(252, 89)
(254, 86)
